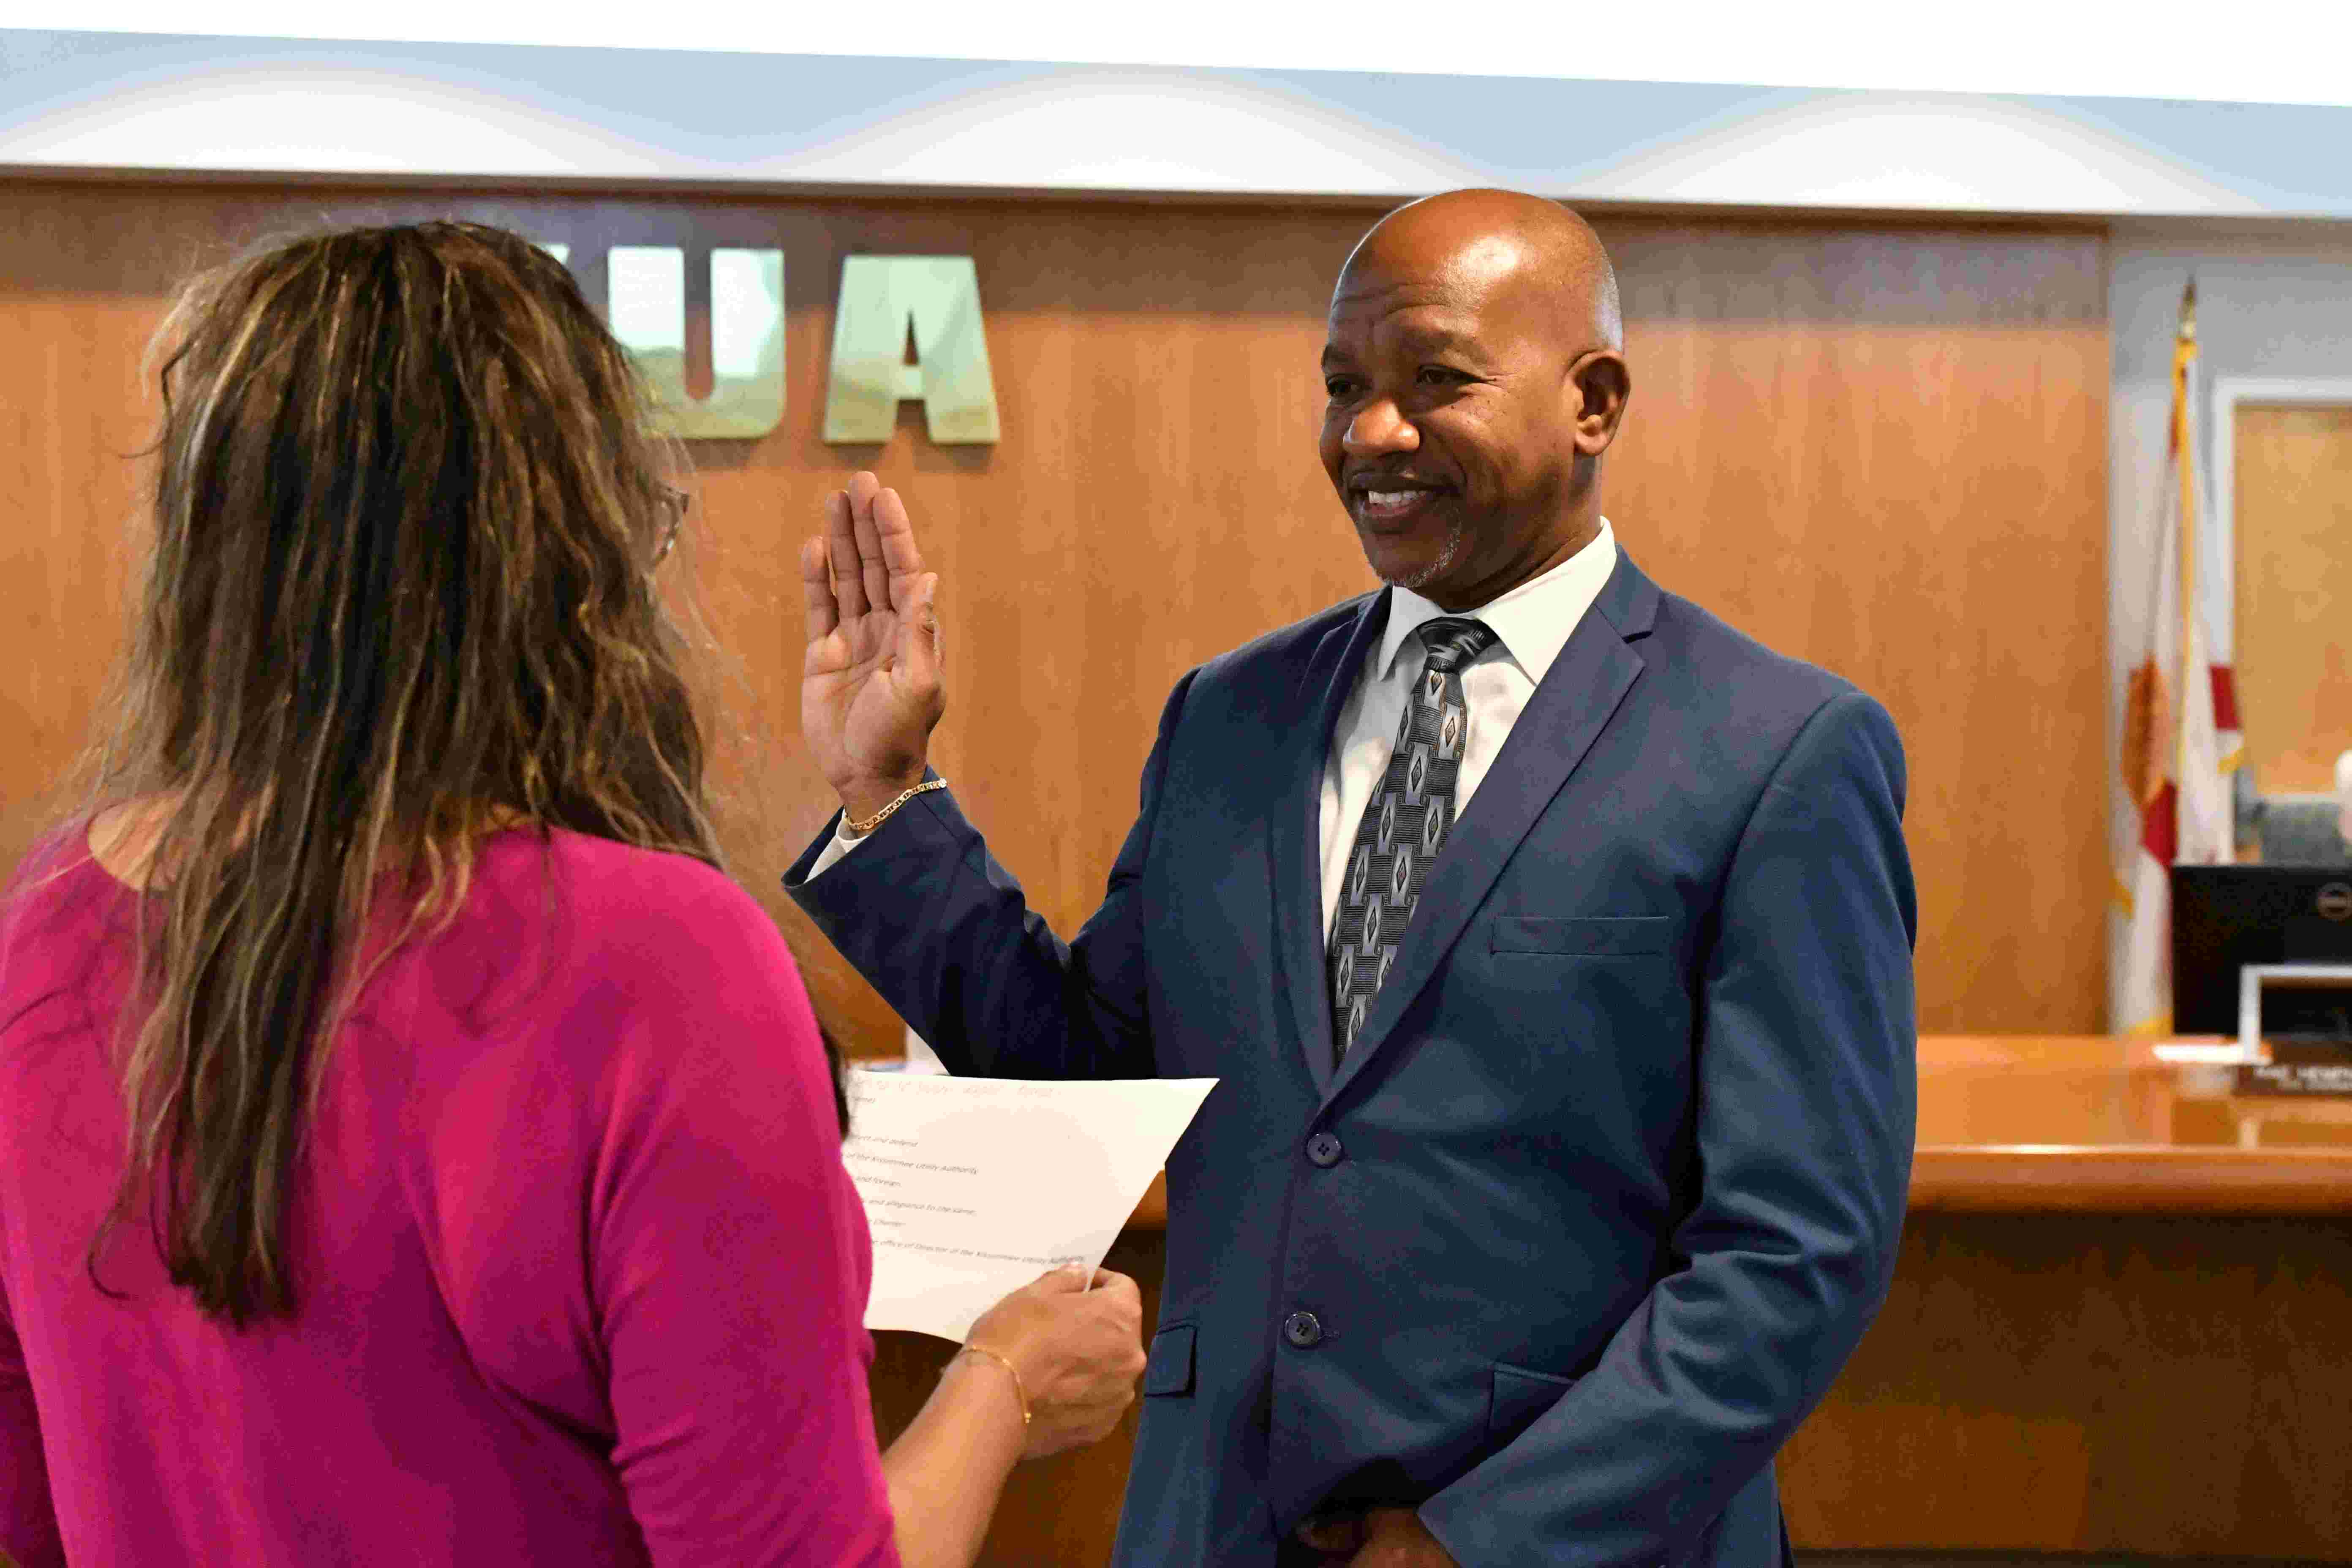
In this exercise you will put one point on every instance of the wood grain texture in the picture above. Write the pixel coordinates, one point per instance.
(1880, 450)
(2272, 1181)
(2092, 1125)
(2292, 512)
(2144, 1383)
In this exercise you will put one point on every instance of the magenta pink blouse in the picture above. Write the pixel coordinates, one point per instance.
(580, 1275)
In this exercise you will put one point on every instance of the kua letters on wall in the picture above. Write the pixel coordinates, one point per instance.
(883, 300)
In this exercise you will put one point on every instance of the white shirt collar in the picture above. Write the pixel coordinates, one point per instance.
(1532, 622)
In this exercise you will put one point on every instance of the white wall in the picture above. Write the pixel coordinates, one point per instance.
(2272, 305)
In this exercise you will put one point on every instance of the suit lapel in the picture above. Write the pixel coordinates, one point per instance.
(1571, 706)
(1295, 837)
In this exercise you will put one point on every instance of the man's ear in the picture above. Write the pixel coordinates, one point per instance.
(1602, 385)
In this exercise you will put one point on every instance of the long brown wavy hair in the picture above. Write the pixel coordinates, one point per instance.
(401, 594)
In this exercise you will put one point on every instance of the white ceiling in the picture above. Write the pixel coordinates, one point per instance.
(2269, 51)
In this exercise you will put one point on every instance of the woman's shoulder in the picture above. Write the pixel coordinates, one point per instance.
(52, 875)
(617, 871)
(60, 849)
(59, 913)
(622, 902)
(601, 952)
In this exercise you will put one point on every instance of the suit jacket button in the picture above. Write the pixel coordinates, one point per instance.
(1325, 1150)
(1302, 1329)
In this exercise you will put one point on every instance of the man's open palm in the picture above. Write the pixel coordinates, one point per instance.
(870, 680)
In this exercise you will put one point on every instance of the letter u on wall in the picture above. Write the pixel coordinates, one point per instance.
(880, 297)
(647, 293)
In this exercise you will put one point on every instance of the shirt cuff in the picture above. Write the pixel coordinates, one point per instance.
(836, 848)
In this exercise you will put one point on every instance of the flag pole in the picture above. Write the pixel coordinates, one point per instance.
(2184, 355)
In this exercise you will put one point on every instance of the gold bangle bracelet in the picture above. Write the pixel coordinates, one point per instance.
(1020, 1389)
(860, 829)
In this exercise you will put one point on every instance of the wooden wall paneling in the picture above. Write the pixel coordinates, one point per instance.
(1879, 450)
(67, 375)
(2141, 1384)
(1884, 452)
(2293, 523)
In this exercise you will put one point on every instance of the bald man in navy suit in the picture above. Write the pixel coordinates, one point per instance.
(1550, 938)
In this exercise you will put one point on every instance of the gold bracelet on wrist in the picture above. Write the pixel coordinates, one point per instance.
(860, 829)
(1020, 1389)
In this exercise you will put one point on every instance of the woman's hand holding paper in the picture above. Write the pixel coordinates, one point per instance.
(1079, 1351)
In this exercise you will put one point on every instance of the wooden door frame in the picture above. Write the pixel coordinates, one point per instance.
(2228, 393)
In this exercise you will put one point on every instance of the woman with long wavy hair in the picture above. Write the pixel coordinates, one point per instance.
(413, 1145)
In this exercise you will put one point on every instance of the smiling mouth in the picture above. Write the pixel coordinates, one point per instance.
(1389, 506)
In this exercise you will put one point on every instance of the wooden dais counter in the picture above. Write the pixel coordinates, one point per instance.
(2034, 1124)
(2119, 1324)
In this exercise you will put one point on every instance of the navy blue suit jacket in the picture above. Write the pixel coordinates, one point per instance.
(1611, 1182)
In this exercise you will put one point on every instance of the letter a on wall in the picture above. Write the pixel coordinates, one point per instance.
(881, 295)
(646, 285)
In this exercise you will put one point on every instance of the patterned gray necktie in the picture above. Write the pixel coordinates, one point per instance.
(1405, 823)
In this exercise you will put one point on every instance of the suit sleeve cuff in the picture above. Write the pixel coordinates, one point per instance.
(823, 854)
(837, 847)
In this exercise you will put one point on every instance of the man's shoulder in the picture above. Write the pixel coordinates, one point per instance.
(1753, 702)
(1284, 653)
(1701, 647)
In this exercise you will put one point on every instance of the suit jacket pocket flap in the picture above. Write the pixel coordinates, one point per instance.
(1521, 1396)
(1602, 936)
(1170, 1368)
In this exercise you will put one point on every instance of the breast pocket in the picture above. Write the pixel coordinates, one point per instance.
(1591, 936)
(1586, 1019)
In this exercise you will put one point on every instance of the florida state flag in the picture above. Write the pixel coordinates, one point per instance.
(2180, 735)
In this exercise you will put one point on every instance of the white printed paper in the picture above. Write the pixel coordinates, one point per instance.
(921, 1058)
(974, 1186)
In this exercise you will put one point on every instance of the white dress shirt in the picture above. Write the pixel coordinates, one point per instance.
(1531, 625)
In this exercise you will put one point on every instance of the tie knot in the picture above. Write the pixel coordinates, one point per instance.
(1453, 641)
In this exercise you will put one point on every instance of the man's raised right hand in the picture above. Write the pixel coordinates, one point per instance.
(870, 681)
